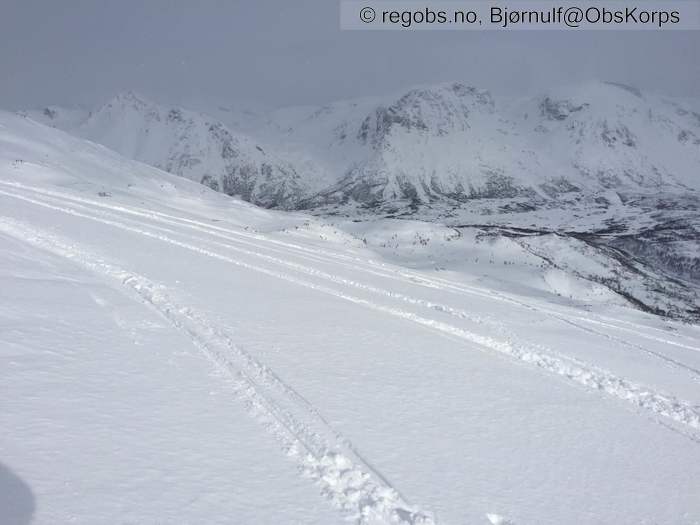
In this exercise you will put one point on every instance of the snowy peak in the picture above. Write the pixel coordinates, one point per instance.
(453, 143)
(615, 136)
(552, 109)
(129, 99)
(194, 146)
(437, 111)
(449, 143)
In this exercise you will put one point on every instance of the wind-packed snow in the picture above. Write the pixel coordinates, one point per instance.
(171, 355)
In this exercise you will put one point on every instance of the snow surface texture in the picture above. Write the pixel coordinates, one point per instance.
(174, 355)
(600, 172)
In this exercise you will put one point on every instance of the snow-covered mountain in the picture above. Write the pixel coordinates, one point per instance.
(447, 143)
(453, 143)
(186, 143)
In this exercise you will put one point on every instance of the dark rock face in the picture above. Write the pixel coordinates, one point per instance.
(656, 270)
(618, 135)
(667, 246)
(425, 110)
(558, 186)
(210, 182)
(559, 109)
(668, 277)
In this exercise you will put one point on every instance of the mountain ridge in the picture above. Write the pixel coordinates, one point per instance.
(449, 142)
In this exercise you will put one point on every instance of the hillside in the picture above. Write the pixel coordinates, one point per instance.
(448, 143)
(601, 168)
(229, 362)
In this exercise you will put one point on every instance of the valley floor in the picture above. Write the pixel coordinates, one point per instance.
(164, 365)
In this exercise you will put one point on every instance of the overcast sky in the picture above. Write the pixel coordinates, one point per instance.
(289, 52)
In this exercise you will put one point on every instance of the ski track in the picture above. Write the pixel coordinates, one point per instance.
(383, 270)
(456, 312)
(578, 372)
(394, 272)
(323, 454)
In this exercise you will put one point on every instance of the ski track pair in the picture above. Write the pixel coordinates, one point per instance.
(592, 377)
(345, 477)
(456, 312)
(381, 269)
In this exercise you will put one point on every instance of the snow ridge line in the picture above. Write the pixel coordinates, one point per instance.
(455, 312)
(345, 477)
(573, 369)
(391, 273)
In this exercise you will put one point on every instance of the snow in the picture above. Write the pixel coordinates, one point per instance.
(602, 173)
(445, 142)
(172, 355)
(111, 416)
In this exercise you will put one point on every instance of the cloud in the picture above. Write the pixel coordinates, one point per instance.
(285, 53)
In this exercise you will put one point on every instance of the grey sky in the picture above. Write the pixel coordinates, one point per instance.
(288, 52)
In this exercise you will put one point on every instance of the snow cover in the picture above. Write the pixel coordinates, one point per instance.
(171, 355)
(597, 172)
(448, 142)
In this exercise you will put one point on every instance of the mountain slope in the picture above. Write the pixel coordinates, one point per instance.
(455, 143)
(601, 164)
(188, 144)
(273, 368)
(449, 143)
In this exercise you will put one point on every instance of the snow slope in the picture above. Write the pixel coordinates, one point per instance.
(599, 170)
(176, 356)
(189, 144)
